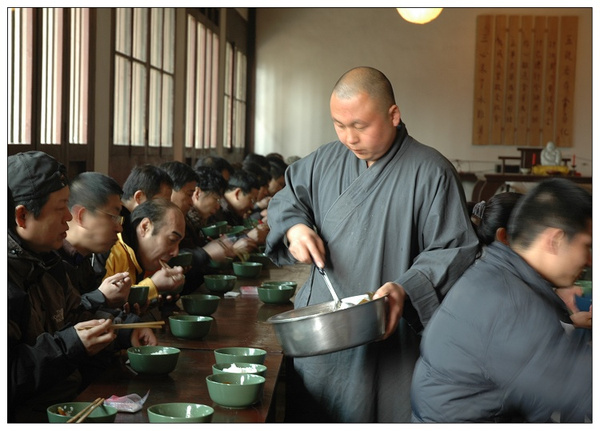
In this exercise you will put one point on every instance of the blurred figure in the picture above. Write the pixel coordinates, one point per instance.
(184, 180)
(239, 198)
(496, 350)
(219, 163)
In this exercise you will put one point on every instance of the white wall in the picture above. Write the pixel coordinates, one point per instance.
(301, 52)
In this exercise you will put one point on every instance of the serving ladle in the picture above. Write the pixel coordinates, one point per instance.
(338, 303)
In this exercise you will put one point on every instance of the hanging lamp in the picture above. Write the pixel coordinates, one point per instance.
(419, 15)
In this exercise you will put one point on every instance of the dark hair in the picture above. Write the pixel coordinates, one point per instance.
(211, 180)
(262, 175)
(12, 221)
(219, 163)
(155, 210)
(259, 159)
(180, 173)
(147, 178)
(243, 179)
(277, 167)
(488, 216)
(557, 203)
(91, 190)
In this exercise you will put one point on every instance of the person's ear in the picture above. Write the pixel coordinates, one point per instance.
(21, 216)
(78, 211)
(237, 193)
(394, 113)
(196, 194)
(553, 239)
(139, 197)
(145, 227)
(501, 235)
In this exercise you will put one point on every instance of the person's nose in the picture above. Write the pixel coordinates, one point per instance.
(351, 137)
(68, 215)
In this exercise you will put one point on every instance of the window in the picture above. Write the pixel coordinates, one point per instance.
(202, 78)
(48, 82)
(144, 77)
(234, 116)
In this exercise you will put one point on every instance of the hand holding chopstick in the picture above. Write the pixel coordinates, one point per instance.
(177, 277)
(83, 414)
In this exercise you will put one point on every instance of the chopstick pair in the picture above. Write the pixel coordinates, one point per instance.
(153, 325)
(83, 414)
(166, 266)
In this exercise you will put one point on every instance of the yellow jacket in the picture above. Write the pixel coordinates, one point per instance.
(122, 258)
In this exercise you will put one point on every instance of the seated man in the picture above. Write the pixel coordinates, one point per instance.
(496, 349)
(220, 164)
(47, 345)
(150, 240)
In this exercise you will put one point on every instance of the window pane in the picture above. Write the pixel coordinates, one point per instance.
(122, 98)
(155, 111)
(138, 105)
(156, 36)
(214, 94)
(167, 111)
(52, 36)
(123, 32)
(190, 83)
(169, 44)
(20, 46)
(140, 33)
(78, 105)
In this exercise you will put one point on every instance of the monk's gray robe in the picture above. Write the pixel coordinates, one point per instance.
(404, 219)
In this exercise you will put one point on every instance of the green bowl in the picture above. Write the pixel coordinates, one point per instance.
(261, 258)
(182, 259)
(219, 282)
(235, 230)
(247, 269)
(586, 286)
(224, 264)
(235, 390)
(280, 283)
(275, 294)
(216, 229)
(100, 414)
(138, 295)
(153, 359)
(230, 355)
(240, 368)
(180, 413)
(186, 326)
(199, 304)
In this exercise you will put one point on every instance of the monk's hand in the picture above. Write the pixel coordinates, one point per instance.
(305, 245)
(396, 296)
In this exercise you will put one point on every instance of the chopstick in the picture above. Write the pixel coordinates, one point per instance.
(166, 266)
(154, 325)
(83, 414)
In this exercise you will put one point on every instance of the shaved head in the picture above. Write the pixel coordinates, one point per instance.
(366, 80)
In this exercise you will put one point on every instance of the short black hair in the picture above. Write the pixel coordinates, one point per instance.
(488, 217)
(155, 210)
(180, 173)
(259, 159)
(210, 180)
(262, 175)
(277, 167)
(147, 178)
(243, 179)
(91, 190)
(219, 163)
(557, 203)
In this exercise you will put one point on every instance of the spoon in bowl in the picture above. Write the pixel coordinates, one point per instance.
(330, 287)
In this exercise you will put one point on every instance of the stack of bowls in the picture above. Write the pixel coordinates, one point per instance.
(188, 326)
(180, 413)
(235, 390)
(240, 368)
(199, 304)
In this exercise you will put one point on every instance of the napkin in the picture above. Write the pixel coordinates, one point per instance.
(129, 403)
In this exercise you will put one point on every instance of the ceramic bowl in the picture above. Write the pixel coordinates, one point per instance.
(219, 283)
(261, 258)
(247, 269)
(223, 264)
(199, 304)
(180, 413)
(186, 326)
(100, 414)
(153, 359)
(138, 295)
(275, 294)
(182, 259)
(525, 171)
(229, 355)
(216, 229)
(280, 283)
(235, 390)
(240, 368)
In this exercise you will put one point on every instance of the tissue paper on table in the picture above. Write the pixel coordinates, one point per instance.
(129, 403)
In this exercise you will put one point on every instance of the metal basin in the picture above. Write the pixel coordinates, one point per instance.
(323, 328)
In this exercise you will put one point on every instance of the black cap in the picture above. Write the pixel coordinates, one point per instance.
(34, 174)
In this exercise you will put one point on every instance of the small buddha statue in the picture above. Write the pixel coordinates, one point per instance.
(550, 156)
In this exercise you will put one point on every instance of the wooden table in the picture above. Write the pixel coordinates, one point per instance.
(487, 188)
(238, 321)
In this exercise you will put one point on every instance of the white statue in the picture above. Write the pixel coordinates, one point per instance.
(550, 155)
